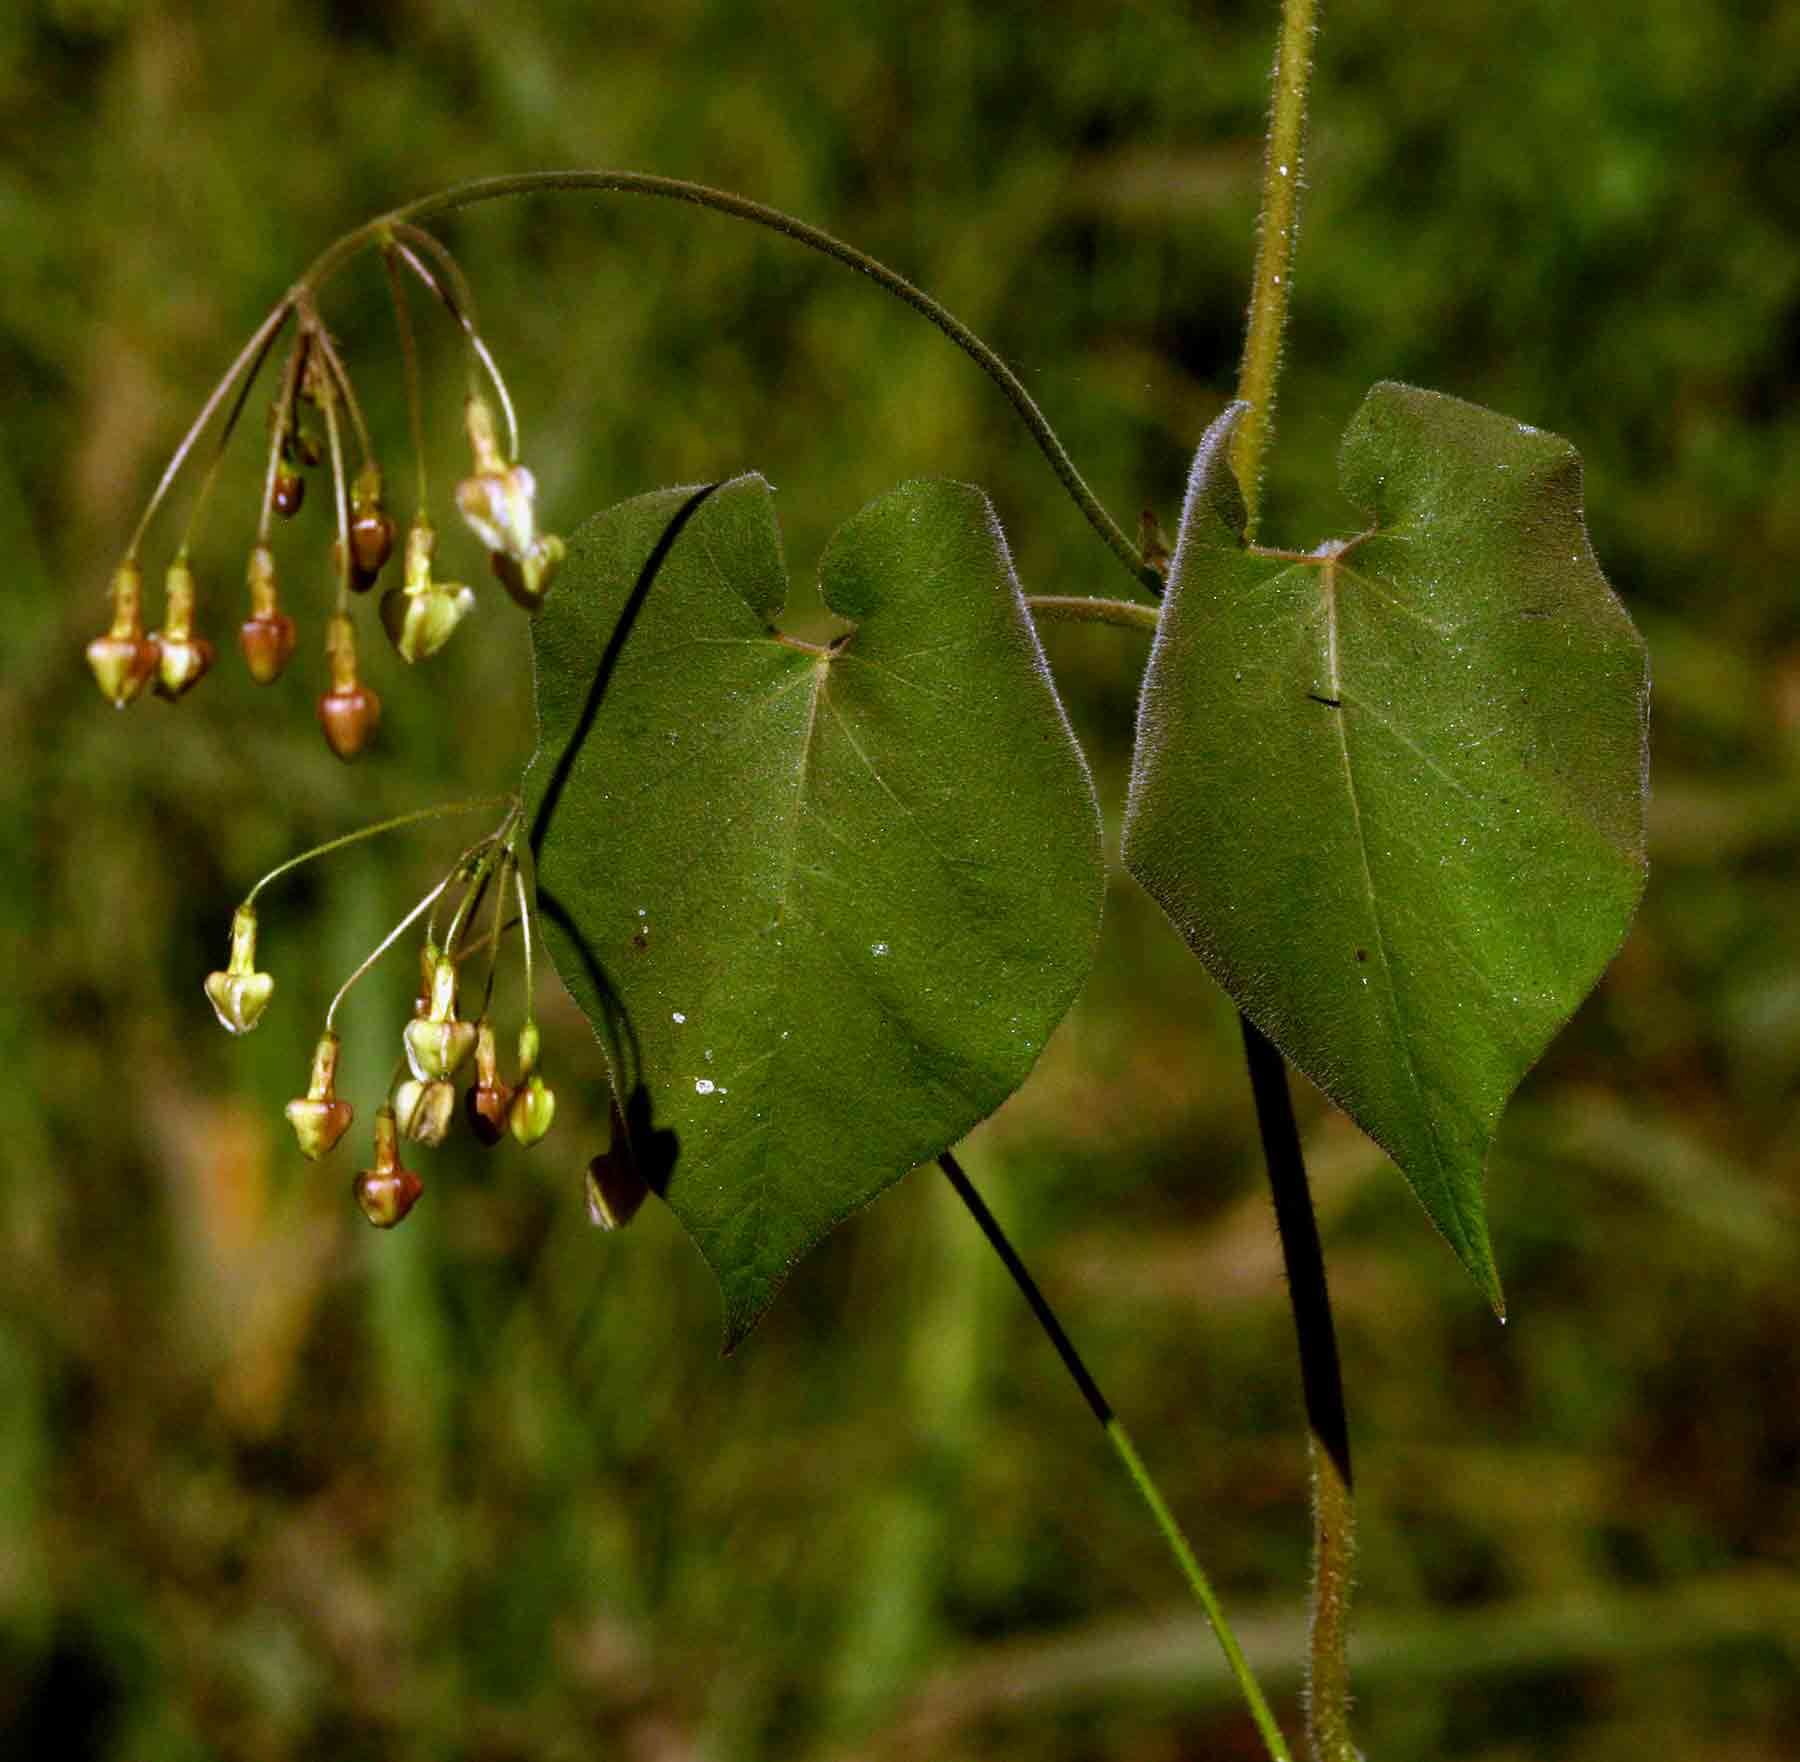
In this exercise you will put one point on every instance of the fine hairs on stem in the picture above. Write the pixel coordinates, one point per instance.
(1334, 1514)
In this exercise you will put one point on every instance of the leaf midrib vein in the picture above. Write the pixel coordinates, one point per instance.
(1328, 593)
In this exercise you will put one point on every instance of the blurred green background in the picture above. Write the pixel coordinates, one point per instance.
(273, 1486)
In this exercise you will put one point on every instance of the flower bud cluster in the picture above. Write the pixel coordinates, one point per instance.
(497, 500)
(438, 1044)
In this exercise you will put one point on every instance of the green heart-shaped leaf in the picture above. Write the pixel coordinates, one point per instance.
(1392, 793)
(824, 905)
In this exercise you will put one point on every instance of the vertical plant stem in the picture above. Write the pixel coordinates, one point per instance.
(1334, 1520)
(1120, 1440)
(1277, 235)
(1321, 1380)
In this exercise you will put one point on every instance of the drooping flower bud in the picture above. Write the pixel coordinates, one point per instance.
(425, 1110)
(528, 579)
(1153, 542)
(533, 1108)
(498, 501)
(318, 1117)
(240, 994)
(388, 1191)
(421, 616)
(267, 635)
(615, 1187)
(371, 529)
(181, 656)
(349, 712)
(124, 658)
(436, 1042)
(289, 491)
(488, 1099)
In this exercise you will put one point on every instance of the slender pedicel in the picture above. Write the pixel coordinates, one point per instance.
(252, 351)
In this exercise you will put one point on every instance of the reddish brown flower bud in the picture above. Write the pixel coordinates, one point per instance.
(388, 1191)
(615, 1187)
(267, 635)
(124, 658)
(349, 712)
(181, 656)
(289, 492)
(318, 1117)
(371, 530)
(488, 1099)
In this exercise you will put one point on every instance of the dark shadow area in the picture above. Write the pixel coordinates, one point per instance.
(609, 661)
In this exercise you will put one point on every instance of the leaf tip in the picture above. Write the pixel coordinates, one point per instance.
(1214, 498)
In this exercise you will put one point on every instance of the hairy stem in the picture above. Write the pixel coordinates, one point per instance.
(1277, 235)
(740, 208)
(1061, 608)
(1322, 1385)
(1120, 1440)
(1334, 1519)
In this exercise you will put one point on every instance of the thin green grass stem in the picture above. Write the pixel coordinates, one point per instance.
(1120, 1440)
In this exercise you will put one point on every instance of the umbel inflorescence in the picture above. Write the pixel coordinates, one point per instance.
(491, 898)
(314, 418)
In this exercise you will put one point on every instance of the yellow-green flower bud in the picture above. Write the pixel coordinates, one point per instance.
(527, 579)
(421, 616)
(318, 1117)
(436, 1042)
(425, 1110)
(181, 656)
(533, 1108)
(124, 658)
(240, 994)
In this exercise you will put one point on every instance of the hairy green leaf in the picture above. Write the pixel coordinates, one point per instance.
(1392, 792)
(823, 905)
